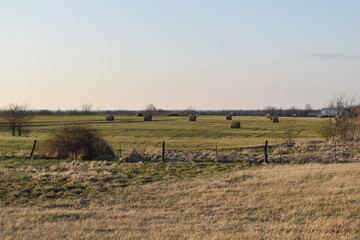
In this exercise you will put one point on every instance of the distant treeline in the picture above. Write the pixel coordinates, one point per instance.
(160, 112)
(278, 112)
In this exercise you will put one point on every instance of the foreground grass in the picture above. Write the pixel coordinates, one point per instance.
(26, 181)
(313, 201)
(178, 132)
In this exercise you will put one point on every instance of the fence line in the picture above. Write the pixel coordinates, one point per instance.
(312, 151)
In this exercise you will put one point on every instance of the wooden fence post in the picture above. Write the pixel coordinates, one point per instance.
(265, 151)
(33, 149)
(120, 150)
(163, 152)
(216, 152)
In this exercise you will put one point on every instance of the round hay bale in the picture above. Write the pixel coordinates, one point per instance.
(235, 124)
(110, 118)
(275, 119)
(228, 117)
(147, 117)
(192, 118)
(139, 115)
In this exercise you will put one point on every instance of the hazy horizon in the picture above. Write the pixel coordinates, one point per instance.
(167, 109)
(208, 54)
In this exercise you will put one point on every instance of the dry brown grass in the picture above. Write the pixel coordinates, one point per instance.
(313, 201)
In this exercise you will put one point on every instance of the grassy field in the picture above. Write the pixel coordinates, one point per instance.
(178, 132)
(24, 181)
(193, 199)
(87, 200)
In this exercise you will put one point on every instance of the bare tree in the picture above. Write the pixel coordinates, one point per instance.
(86, 108)
(270, 110)
(293, 111)
(150, 109)
(15, 117)
(308, 108)
(190, 110)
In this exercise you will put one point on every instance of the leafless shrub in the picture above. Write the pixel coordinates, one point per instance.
(327, 129)
(345, 125)
(79, 142)
(289, 133)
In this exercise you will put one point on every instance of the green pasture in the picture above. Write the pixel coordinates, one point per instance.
(178, 132)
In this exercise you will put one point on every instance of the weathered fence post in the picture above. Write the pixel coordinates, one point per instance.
(120, 150)
(33, 149)
(216, 152)
(266, 153)
(163, 152)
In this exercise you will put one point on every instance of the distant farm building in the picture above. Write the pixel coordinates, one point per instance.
(331, 112)
(314, 114)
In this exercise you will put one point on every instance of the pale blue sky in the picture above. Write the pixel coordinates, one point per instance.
(208, 54)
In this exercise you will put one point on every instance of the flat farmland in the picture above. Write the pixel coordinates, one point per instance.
(178, 132)
(202, 199)
(64, 200)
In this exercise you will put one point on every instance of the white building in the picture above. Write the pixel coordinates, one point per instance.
(331, 112)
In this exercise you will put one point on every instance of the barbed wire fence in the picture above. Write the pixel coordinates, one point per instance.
(281, 153)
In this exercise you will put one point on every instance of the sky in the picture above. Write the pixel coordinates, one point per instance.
(208, 54)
